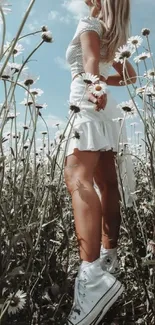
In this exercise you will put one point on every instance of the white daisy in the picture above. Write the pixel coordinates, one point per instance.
(36, 91)
(89, 78)
(28, 79)
(47, 36)
(124, 52)
(27, 102)
(7, 73)
(135, 41)
(17, 302)
(118, 119)
(44, 132)
(124, 144)
(151, 247)
(4, 3)
(141, 57)
(40, 106)
(26, 144)
(59, 136)
(134, 124)
(16, 67)
(98, 89)
(150, 74)
(25, 127)
(140, 90)
(138, 132)
(12, 115)
(18, 49)
(8, 106)
(129, 108)
(150, 91)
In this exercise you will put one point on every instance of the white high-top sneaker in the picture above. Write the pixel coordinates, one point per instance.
(109, 261)
(95, 292)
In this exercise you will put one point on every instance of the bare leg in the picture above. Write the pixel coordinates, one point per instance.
(106, 179)
(111, 216)
(85, 201)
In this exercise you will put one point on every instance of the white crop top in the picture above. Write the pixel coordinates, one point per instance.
(74, 50)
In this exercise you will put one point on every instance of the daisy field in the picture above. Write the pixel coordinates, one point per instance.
(39, 253)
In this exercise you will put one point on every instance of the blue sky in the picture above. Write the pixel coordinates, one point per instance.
(61, 17)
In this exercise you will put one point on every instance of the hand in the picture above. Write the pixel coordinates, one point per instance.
(99, 101)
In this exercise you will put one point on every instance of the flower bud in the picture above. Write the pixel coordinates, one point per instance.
(47, 37)
(44, 28)
(145, 31)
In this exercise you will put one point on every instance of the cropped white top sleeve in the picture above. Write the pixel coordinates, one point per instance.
(74, 50)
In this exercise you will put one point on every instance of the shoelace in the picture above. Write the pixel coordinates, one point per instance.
(79, 292)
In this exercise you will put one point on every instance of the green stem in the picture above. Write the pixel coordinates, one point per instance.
(3, 33)
(151, 56)
(26, 35)
(17, 35)
(16, 81)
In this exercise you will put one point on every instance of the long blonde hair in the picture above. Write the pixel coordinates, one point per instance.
(115, 17)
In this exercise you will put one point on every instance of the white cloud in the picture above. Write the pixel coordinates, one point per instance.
(62, 63)
(34, 26)
(51, 121)
(65, 20)
(76, 7)
(55, 16)
(26, 40)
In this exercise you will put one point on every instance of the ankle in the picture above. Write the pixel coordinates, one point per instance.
(90, 258)
(85, 264)
(110, 251)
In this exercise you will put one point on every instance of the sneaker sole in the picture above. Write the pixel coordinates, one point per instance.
(116, 274)
(119, 288)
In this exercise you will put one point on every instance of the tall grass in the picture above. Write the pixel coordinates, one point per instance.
(39, 255)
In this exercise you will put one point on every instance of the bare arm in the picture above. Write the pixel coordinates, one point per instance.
(90, 43)
(130, 74)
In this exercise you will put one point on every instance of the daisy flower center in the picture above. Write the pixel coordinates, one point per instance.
(98, 88)
(15, 301)
(135, 41)
(15, 51)
(28, 82)
(125, 54)
(143, 57)
(127, 109)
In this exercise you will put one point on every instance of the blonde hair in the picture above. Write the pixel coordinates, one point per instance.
(115, 17)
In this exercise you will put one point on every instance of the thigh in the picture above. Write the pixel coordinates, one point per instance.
(81, 164)
(105, 170)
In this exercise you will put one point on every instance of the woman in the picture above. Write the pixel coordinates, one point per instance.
(91, 157)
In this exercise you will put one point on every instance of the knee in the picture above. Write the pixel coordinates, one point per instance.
(75, 179)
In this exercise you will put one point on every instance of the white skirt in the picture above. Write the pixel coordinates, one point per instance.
(92, 130)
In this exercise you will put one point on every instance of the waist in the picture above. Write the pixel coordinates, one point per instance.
(80, 74)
